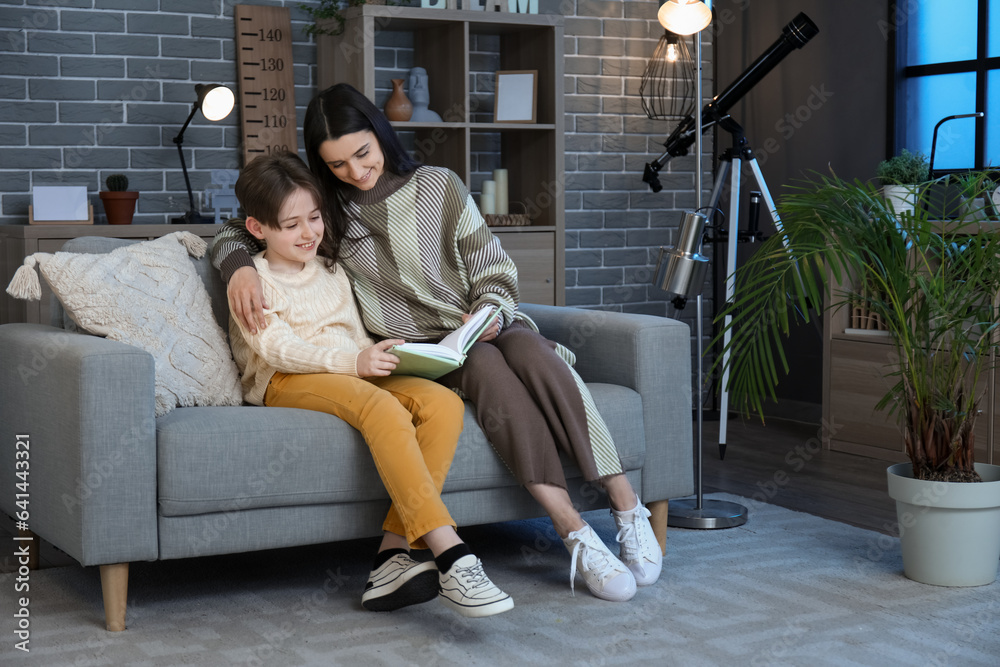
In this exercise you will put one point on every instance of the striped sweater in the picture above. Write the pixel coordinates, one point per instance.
(418, 253)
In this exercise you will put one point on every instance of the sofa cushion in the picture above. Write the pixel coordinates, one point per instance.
(209, 275)
(149, 295)
(228, 459)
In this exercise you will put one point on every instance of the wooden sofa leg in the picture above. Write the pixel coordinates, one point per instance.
(114, 585)
(658, 519)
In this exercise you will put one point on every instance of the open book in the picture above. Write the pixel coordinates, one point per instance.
(432, 360)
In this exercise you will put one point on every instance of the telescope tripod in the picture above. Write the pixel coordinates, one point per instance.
(698, 512)
(731, 169)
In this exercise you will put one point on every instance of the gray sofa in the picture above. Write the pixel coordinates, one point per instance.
(110, 484)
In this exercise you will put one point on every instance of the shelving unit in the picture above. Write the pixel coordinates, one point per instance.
(467, 141)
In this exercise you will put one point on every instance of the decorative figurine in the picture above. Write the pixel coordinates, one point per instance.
(421, 97)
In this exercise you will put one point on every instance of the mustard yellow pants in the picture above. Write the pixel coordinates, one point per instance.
(411, 426)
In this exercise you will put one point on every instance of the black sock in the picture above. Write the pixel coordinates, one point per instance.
(448, 558)
(382, 556)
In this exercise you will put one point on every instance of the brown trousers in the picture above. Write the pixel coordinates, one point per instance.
(529, 405)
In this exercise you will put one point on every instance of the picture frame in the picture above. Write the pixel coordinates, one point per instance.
(60, 205)
(516, 97)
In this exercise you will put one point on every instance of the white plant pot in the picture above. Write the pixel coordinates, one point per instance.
(949, 531)
(902, 198)
(974, 210)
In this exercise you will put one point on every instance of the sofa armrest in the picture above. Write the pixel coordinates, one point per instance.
(85, 404)
(651, 355)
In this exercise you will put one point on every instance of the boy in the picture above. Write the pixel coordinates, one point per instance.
(315, 354)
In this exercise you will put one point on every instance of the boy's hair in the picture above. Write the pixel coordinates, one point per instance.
(266, 183)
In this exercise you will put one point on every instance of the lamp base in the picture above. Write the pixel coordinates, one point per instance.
(711, 515)
(192, 218)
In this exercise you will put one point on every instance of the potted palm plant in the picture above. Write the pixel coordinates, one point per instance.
(934, 286)
(901, 177)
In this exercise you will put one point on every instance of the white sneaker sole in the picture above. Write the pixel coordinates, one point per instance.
(472, 610)
(417, 585)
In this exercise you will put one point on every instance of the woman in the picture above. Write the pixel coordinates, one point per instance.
(421, 259)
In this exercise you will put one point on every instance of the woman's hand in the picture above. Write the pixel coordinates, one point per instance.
(246, 298)
(376, 361)
(491, 332)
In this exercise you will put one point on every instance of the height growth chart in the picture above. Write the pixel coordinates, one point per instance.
(266, 80)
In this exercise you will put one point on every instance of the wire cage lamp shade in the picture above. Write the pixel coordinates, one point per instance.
(667, 89)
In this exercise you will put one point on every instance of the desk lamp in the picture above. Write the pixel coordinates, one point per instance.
(215, 102)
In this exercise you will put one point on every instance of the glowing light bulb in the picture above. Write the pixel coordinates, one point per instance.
(673, 53)
(684, 17)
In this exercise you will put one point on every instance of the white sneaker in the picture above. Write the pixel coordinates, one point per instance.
(400, 582)
(466, 589)
(606, 576)
(640, 551)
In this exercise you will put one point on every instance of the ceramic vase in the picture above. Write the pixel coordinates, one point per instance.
(398, 106)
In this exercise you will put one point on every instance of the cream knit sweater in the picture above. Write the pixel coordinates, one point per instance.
(313, 326)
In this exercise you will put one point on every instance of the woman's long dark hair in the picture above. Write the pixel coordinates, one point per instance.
(337, 111)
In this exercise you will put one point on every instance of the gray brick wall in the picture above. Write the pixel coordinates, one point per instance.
(93, 87)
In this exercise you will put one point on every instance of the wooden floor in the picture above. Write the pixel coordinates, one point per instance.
(780, 463)
(783, 464)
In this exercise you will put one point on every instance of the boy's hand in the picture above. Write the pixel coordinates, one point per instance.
(246, 298)
(376, 361)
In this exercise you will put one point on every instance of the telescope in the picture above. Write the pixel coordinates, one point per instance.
(795, 35)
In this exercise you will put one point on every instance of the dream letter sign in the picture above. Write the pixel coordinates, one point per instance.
(504, 6)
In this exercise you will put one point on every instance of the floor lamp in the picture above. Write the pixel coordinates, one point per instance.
(681, 273)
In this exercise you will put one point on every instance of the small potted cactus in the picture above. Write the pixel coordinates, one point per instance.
(118, 200)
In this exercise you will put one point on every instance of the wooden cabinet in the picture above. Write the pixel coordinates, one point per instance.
(856, 384)
(461, 51)
(532, 252)
(19, 241)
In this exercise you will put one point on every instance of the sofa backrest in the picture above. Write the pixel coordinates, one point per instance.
(100, 245)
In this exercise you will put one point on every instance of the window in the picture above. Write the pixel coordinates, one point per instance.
(949, 64)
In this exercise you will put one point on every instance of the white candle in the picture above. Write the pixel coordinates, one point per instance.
(500, 176)
(489, 187)
(487, 203)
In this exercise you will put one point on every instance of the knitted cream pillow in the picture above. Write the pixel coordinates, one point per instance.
(148, 295)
